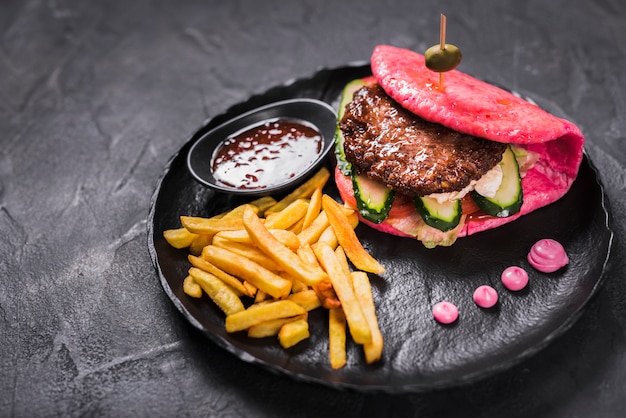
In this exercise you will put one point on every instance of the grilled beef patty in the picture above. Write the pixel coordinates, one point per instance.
(408, 154)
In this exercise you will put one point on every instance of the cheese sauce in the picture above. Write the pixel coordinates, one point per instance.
(266, 154)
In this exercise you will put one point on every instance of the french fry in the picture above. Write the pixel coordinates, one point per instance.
(297, 227)
(363, 290)
(246, 269)
(324, 289)
(210, 226)
(306, 254)
(326, 294)
(218, 291)
(337, 338)
(179, 237)
(267, 328)
(293, 332)
(288, 216)
(191, 288)
(261, 296)
(270, 328)
(353, 218)
(291, 256)
(237, 212)
(286, 258)
(263, 203)
(347, 238)
(250, 252)
(304, 191)
(251, 289)
(285, 237)
(343, 260)
(342, 283)
(314, 208)
(269, 311)
(199, 243)
(328, 236)
(307, 299)
(311, 234)
(297, 286)
(230, 280)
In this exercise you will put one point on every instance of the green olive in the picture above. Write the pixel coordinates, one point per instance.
(442, 60)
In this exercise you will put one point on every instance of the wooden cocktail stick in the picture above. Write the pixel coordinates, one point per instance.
(442, 44)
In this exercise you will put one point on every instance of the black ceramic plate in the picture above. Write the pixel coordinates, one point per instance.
(419, 353)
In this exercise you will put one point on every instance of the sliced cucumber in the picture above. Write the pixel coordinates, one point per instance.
(443, 216)
(346, 97)
(509, 196)
(373, 199)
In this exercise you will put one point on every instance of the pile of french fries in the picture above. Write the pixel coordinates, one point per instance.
(267, 263)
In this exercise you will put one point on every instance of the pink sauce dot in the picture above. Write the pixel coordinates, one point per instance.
(547, 256)
(514, 278)
(445, 312)
(485, 296)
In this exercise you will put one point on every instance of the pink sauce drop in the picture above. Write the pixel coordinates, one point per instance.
(445, 312)
(547, 256)
(514, 278)
(485, 296)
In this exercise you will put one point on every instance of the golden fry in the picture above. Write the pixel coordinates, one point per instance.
(179, 238)
(347, 238)
(210, 226)
(288, 216)
(343, 260)
(223, 296)
(353, 219)
(342, 283)
(246, 269)
(286, 258)
(199, 243)
(311, 234)
(232, 281)
(250, 252)
(307, 299)
(307, 255)
(337, 338)
(293, 332)
(297, 286)
(261, 296)
(297, 227)
(263, 203)
(328, 236)
(237, 212)
(326, 294)
(291, 256)
(269, 311)
(250, 288)
(304, 191)
(191, 288)
(314, 208)
(285, 237)
(324, 289)
(363, 290)
(270, 328)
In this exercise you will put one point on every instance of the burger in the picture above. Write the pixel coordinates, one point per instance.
(436, 163)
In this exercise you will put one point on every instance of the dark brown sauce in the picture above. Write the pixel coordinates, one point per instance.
(266, 154)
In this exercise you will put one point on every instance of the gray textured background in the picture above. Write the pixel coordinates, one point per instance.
(95, 96)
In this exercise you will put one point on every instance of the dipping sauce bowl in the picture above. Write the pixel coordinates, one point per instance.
(268, 150)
